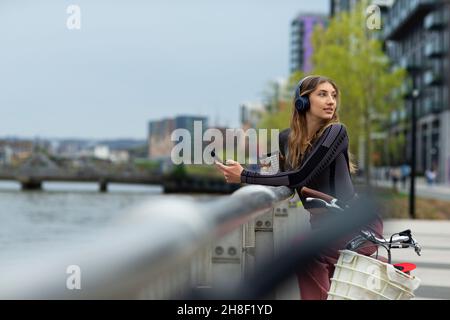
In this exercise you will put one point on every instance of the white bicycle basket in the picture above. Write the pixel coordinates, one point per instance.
(358, 277)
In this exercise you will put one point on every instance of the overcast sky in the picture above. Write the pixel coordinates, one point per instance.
(134, 61)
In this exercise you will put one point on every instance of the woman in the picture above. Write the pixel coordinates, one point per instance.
(315, 155)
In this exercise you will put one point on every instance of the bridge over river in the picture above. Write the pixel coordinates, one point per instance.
(40, 168)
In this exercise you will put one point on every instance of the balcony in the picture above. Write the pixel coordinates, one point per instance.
(430, 106)
(410, 64)
(432, 78)
(436, 20)
(434, 49)
(406, 13)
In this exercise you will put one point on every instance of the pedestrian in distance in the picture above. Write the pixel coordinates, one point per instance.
(431, 176)
(405, 173)
(395, 177)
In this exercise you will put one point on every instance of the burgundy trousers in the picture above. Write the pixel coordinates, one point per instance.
(314, 280)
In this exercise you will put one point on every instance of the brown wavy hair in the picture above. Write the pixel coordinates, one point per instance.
(298, 142)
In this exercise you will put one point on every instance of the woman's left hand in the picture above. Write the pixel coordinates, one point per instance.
(231, 171)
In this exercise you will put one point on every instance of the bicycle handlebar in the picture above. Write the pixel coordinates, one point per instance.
(323, 198)
(395, 242)
(403, 239)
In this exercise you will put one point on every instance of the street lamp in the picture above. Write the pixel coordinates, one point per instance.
(412, 193)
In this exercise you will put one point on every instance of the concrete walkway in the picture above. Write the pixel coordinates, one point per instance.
(433, 266)
(438, 191)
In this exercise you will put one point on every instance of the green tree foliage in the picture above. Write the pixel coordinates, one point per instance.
(349, 53)
(278, 120)
(395, 145)
(179, 172)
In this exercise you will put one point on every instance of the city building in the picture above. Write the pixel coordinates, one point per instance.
(159, 144)
(277, 96)
(251, 114)
(101, 152)
(338, 6)
(418, 39)
(6, 155)
(119, 156)
(160, 131)
(302, 28)
(15, 151)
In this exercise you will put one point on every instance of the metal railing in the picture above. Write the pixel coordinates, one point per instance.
(166, 248)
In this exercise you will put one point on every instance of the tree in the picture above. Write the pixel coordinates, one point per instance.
(395, 145)
(349, 53)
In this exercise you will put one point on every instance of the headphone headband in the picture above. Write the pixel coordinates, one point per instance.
(301, 83)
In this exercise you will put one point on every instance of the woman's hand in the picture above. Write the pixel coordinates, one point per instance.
(231, 171)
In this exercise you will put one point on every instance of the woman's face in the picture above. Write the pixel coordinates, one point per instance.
(323, 101)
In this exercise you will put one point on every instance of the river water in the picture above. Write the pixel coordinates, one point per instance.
(64, 216)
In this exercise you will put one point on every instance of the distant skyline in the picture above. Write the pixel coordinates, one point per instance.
(136, 61)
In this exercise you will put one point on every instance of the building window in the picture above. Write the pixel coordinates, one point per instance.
(445, 100)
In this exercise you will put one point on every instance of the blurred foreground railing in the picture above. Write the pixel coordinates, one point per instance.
(238, 247)
(165, 248)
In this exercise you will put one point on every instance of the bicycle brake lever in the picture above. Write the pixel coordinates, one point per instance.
(417, 248)
(334, 205)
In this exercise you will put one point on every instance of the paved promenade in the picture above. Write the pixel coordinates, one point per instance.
(438, 191)
(433, 267)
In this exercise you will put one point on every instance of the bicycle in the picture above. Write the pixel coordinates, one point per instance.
(357, 276)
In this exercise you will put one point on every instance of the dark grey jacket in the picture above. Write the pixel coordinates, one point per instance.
(325, 167)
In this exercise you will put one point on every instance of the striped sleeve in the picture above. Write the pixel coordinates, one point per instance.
(333, 141)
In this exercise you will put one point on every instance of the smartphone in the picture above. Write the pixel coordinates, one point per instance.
(214, 155)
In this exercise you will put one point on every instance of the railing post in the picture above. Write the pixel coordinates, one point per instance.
(290, 220)
(103, 186)
(201, 269)
(226, 260)
(248, 248)
(30, 183)
(169, 284)
(264, 244)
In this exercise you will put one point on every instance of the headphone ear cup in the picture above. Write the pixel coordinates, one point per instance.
(302, 104)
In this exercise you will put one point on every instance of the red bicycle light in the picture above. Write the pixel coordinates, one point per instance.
(405, 267)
